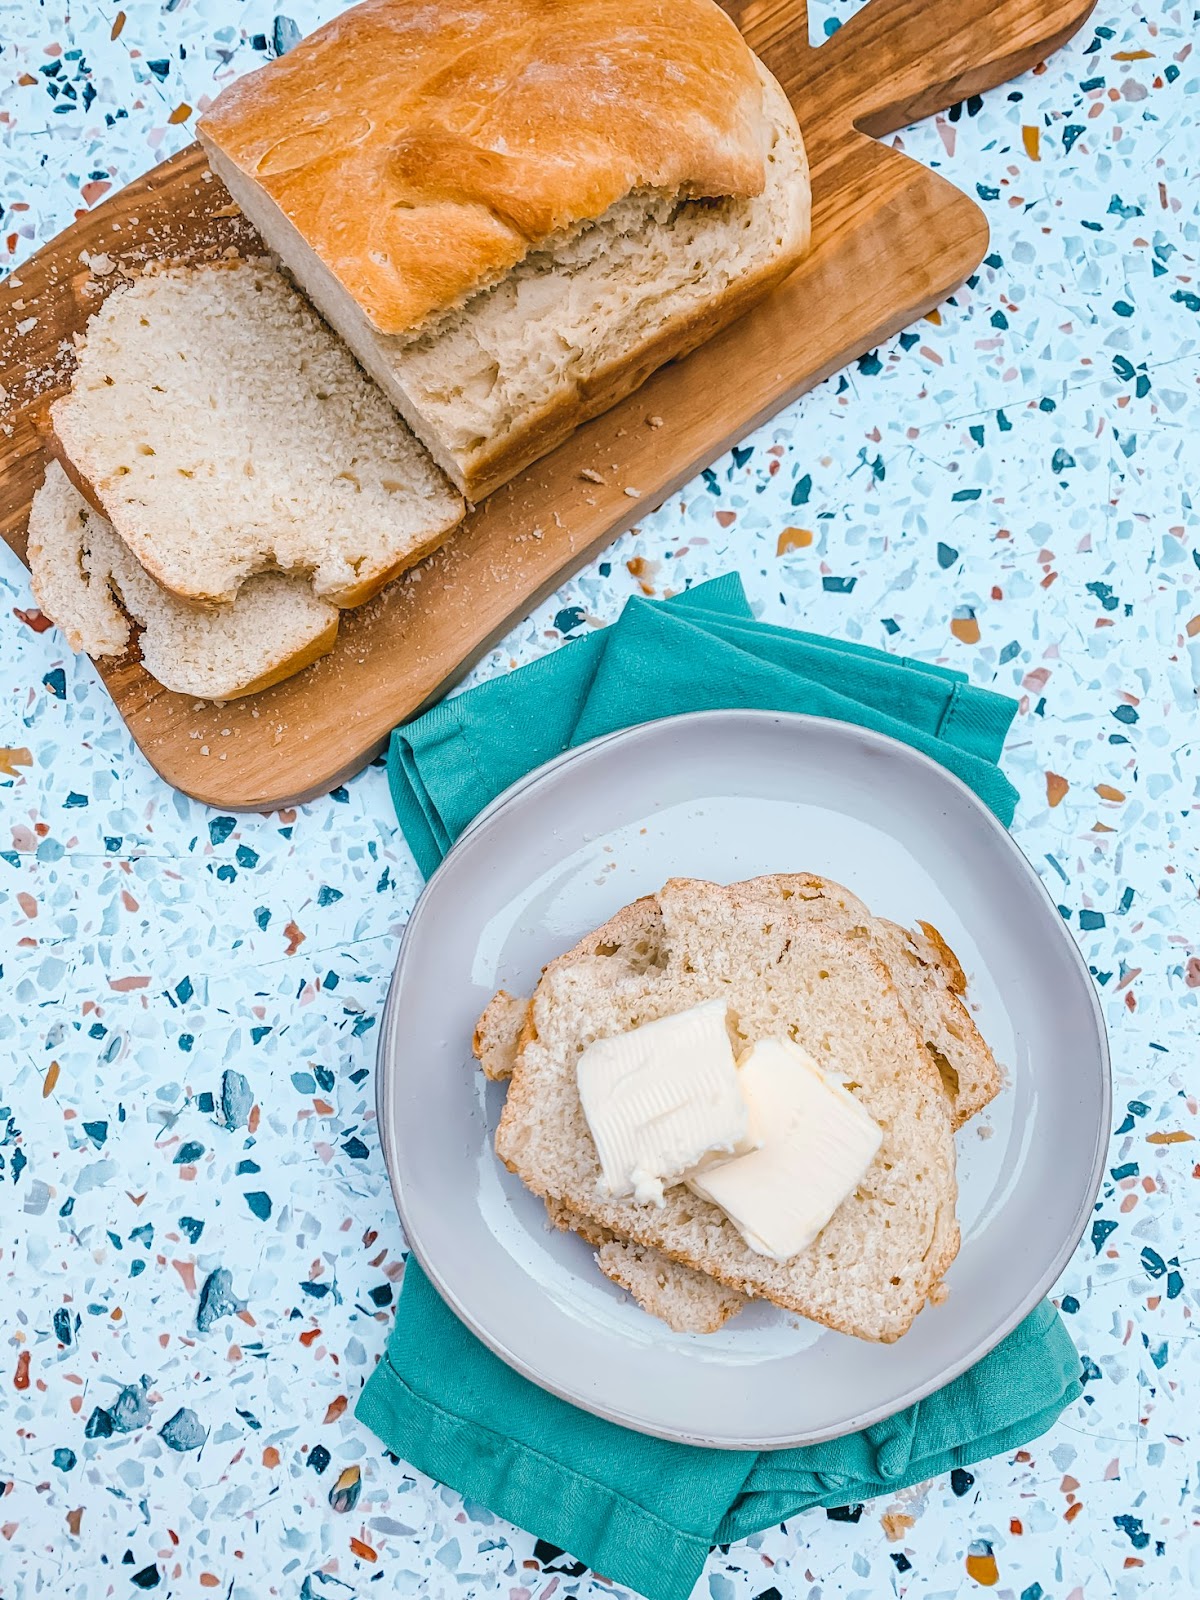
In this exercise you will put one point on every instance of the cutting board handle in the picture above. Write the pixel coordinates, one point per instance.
(906, 58)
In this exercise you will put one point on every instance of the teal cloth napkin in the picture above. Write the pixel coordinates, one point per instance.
(643, 1511)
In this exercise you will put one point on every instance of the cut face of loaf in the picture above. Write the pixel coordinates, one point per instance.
(492, 381)
(88, 584)
(782, 973)
(224, 432)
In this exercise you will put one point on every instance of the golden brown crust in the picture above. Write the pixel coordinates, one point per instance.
(955, 976)
(421, 148)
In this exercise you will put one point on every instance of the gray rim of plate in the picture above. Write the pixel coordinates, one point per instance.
(799, 721)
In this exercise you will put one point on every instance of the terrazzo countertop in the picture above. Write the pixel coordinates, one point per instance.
(191, 1001)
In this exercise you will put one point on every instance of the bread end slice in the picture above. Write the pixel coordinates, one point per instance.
(91, 587)
(498, 1034)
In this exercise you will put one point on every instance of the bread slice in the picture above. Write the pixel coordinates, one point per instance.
(87, 582)
(513, 213)
(927, 975)
(686, 1300)
(224, 431)
(498, 1034)
(781, 971)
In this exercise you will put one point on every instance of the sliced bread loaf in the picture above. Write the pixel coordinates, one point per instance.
(224, 431)
(87, 582)
(492, 384)
(513, 211)
(781, 972)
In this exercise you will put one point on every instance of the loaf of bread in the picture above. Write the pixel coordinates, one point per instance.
(86, 581)
(223, 431)
(513, 212)
(781, 970)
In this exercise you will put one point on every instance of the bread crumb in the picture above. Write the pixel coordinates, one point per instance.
(634, 494)
(590, 475)
(102, 265)
(654, 422)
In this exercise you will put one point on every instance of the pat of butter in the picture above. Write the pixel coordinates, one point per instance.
(815, 1144)
(660, 1098)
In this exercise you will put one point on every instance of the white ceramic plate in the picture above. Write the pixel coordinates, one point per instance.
(728, 795)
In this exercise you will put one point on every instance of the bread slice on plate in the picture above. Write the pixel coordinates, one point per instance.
(782, 972)
(513, 212)
(927, 975)
(686, 1300)
(87, 582)
(224, 431)
(498, 1034)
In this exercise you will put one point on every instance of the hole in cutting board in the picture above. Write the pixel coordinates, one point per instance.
(825, 17)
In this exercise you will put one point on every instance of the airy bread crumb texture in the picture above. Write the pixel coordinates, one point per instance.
(782, 972)
(87, 582)
(225, 431)
(572, 307)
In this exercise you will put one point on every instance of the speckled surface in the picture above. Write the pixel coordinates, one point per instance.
(198, 1250)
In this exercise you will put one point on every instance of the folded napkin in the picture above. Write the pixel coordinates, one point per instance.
(644, 1511)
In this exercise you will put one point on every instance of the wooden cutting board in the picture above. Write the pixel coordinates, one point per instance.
(890, 239)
